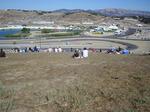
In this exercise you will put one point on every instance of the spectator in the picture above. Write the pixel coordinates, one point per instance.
(31, 50)
(85, 53)
(100, 50)
(35, 49)
(17, 50)
(76, 54)
(59, 49)
(25, 50)
(119, 49)
(55, 50)
(71, 49)
(2, 53)
(50, 50)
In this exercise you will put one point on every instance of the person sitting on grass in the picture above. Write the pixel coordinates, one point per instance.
(119, 49)
(31, 50)
(112, 50)
(100, 50)
(26, 50)
(56, 50)
(50, 50)
(2, 53)
(35, 49)
(76, 54)
(60, 49)
(85, 53)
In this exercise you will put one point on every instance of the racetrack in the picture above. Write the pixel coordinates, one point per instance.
(135, 46)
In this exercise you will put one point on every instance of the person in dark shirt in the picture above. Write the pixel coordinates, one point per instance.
(76, 54)
(35, 49)
(30, 49)
(2, 53)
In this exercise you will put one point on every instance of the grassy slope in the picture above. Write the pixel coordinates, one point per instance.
(57, 83)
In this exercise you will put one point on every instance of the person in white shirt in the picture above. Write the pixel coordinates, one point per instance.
(56, 50)
(85, 53)
(50, 50)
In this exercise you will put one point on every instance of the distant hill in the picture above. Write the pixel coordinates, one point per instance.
(109, 12)
(63, 16)
(69, 16)
(105, 12)
(69, 10)
(122, 12)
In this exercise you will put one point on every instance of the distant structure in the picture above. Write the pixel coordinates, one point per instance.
(44, 22)
(87, 23)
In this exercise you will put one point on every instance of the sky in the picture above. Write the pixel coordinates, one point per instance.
(143, 5)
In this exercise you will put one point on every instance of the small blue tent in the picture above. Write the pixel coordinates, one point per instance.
(125, 51)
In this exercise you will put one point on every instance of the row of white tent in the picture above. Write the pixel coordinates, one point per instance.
(105, 28)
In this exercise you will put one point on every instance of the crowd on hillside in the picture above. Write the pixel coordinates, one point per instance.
(78, 53)
(118, 50)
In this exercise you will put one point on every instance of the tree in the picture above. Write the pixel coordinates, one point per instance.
(25, 30)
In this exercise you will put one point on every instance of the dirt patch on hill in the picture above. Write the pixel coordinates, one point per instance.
(57, 83)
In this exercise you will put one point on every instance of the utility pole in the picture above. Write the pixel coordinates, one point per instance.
(40, 42)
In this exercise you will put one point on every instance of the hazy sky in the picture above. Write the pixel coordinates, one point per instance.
(74, 4)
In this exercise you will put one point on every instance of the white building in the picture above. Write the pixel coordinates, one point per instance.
(44, 22)
(113, 27)
(87, 23)
(139, 25)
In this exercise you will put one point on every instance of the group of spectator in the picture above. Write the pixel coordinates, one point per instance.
(118, 50)
(56, 50)
(25, 50)
(80, 54)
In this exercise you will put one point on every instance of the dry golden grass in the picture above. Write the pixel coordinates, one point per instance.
(42, 82)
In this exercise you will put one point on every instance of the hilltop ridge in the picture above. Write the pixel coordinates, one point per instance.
(67, 16)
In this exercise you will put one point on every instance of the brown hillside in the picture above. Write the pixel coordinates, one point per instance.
(57, 83)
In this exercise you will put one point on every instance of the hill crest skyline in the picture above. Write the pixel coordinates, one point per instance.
(104, 12)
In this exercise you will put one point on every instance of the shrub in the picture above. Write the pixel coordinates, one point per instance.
(46, 31)
(17, 35)
(25, 30)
